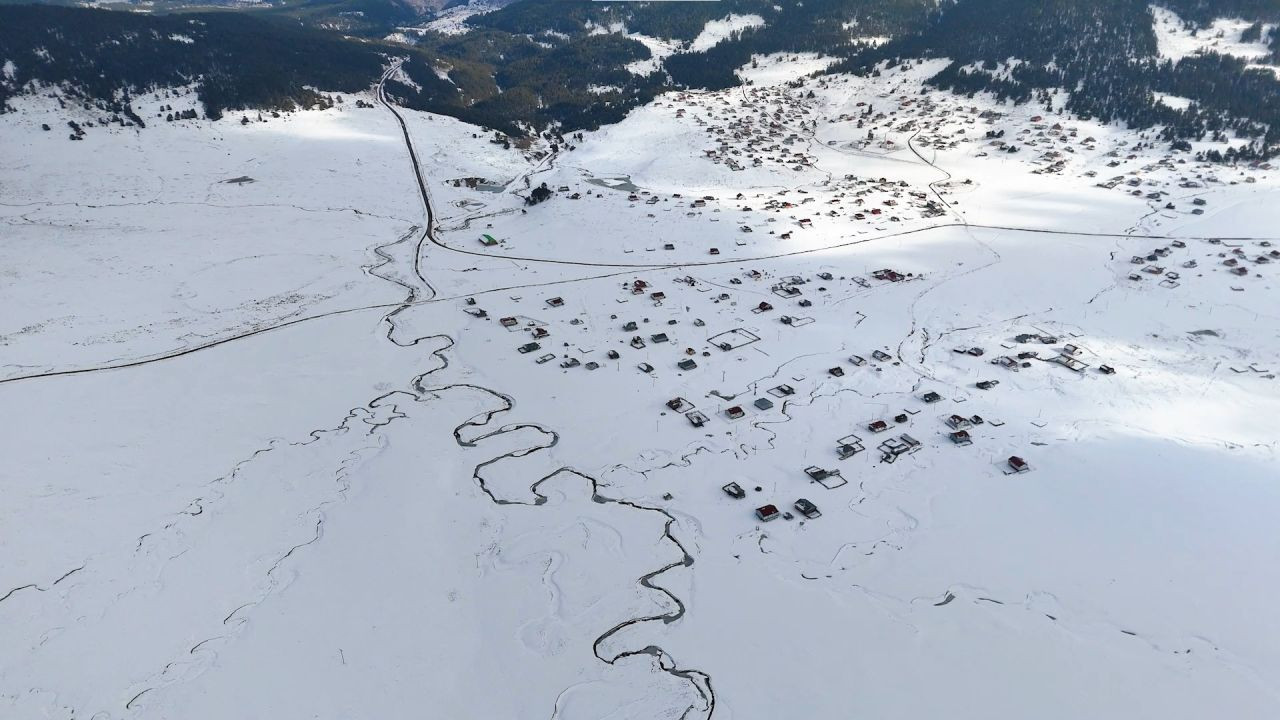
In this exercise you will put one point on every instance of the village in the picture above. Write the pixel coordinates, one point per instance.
(828, 160)
(778, 268)
(690, 351)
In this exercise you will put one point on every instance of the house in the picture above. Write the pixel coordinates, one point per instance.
(958, 423)
(677, 404)
(612, 355)
(687, 364)
(716, 251)
(488, 240)
(857, 360)
(881, 355)
(1106, 370)
(878, 426)
(900, 445)
(696, 418)
(767, 512)
(763, 404)
(836, 371)
(1069, 363)
(931, 397)
(1018, 465)
(987, 384)
(1070, 350)
(668, 246)
(825, 276)
(783, 390)
(1006, 362)
(764, 307)
(637, 342)
(848, 450)
(555, 301)
(570, 363)
(539, 333)
(528, 348)
(817, 473)
(734, 490)
(645, 367)
(807, 509)
(658, 338)
(631, 326)
(961, 437)
(509, 322)
(736, 412)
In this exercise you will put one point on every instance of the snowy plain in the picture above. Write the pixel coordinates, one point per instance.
(272, 463)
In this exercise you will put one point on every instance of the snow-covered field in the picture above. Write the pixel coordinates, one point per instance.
(1225, 36)
(1222, 36)
(277, 455)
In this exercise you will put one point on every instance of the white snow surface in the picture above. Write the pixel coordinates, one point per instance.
(716, 31)
(1176, 102)
(1176, 40)
(267, 460)
(452, 21)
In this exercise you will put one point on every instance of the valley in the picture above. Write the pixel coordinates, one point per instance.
(324, 416)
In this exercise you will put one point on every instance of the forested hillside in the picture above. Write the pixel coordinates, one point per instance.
(579, 64)
(236, 60)
(1105, 51)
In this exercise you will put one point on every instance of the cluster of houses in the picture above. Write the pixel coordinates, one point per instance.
(642, 326)
(772, 127)
(1070, 356)
(1238, 257)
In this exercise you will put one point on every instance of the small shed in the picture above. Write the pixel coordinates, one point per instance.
(807, 509)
